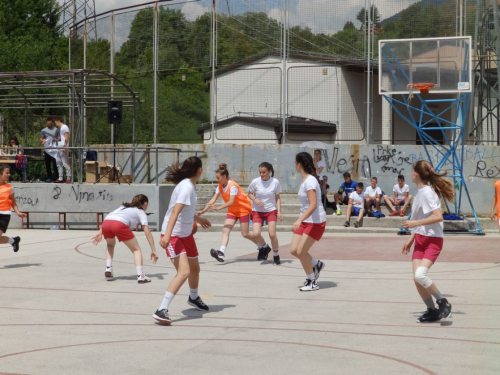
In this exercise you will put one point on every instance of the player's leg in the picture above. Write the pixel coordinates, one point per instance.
(226, 230)
(134, 247)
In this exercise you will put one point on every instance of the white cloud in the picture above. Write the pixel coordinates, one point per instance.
(192, 10)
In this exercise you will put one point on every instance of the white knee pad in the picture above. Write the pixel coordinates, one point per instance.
(421, 277)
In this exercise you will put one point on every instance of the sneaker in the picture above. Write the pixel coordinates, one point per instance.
(338, 212)
(401, 213)
(356, 224)
(58, 181)
(217, 254)
(162, 317)
(198, 303)
(276, 260)
(48, 180)
(317, 269)
(265, 252)
(108, 272)
(15, 245)
(394, 213)
(259, 256)
(68, 181)
(309, 286)
(143, 279)
(431, 315)
(347, 224)
(444, 308)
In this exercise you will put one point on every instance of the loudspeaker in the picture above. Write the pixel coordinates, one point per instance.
(115, 112)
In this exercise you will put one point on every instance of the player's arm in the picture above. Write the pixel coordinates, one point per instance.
(171, 223)
(229, 203)
(149, 237)
(493, 205)
(14, 206)
(209, 205)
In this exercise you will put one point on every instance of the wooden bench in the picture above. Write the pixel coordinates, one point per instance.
(99, 217)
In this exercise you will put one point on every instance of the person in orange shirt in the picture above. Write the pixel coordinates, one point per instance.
(238, 208)
(7, 203)
(496, 202)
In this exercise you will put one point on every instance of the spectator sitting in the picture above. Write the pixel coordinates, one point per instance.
(14, 146)
(347, 187)
(324, 191)
(402, 197)
(356, 206)
(373, 194)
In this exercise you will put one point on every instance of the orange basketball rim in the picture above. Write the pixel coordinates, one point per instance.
(423, 87)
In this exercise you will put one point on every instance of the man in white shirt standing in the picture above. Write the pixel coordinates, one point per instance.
(373, 194)
(62, 158)
(402, 197)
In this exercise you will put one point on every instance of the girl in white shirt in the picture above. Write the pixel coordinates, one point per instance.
(319, 164)
(177, 235)
(117, 224)
(310, 226)
(426, 224)
(264, 192)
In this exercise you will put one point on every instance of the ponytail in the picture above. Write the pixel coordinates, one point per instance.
(306, 161)
(138, 201)
(268, 166)
(189, 168)
(442, 186)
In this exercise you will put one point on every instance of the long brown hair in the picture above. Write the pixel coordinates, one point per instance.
(306, 161)
(189, 168)
(137, 201)
(442, 187)
(223, 170)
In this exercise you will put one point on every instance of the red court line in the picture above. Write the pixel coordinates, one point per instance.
(229, 340)
(204, 316)
(245, 297)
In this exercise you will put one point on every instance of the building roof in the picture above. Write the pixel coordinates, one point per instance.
(294, 124)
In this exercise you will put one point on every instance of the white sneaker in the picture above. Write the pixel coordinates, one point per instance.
(309, 286)
(143, 279)
(109, 272)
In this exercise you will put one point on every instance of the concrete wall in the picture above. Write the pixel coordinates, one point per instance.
(481, 165)
(43, 198)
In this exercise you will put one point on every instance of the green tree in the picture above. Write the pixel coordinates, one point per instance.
(362, 17)
(348, 25)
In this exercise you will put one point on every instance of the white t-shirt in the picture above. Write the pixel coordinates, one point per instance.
(371, 192)
(357, 199)
(265, 191)
(319, 214)
(233, 191)
(63, 131)
(400, 192)
(184, 193)
(320, 164)
(131, 216)
(426, 200)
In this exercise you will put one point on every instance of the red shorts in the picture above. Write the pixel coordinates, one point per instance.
(243, 219)
(427, 247)
(181, 245)
(115, 228)
(259, 217)
(312, 230)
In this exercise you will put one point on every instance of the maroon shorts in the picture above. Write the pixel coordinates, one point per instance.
(259, 217)
(242, 219)
(427, 247)
(312, 230)
(181, 245)
(115, 228)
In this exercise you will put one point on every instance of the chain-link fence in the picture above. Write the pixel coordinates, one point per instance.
(276, 70)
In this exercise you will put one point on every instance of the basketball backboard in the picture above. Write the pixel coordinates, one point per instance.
(444, 62)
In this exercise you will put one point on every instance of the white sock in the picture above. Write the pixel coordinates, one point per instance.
(314, 262)
(167, 299)
(260, 246)
(275, 252)
(109, 263)
(263, 245)
(11, 240)
(139, 270)
(223, 249)
(193, 293)
(311, 276)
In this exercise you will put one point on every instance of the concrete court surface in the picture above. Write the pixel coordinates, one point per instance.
(60, 316)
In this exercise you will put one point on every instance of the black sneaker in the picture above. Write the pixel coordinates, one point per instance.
(276, 261)
(444, 308)
(356, 224)
(15, 245)
(317, 269)
(347, 224)
(262, 252)
(198, 303)
(265, 252)
(217, 254)
(431, 315)
(162, 317)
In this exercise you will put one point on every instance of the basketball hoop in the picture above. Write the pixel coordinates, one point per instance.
(423, 87)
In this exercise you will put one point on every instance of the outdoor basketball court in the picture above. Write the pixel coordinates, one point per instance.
(59, 315)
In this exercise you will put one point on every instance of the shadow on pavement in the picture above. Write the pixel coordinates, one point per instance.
(22, 265)
(158, 276)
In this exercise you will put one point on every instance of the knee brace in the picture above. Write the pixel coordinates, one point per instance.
(421, 277)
